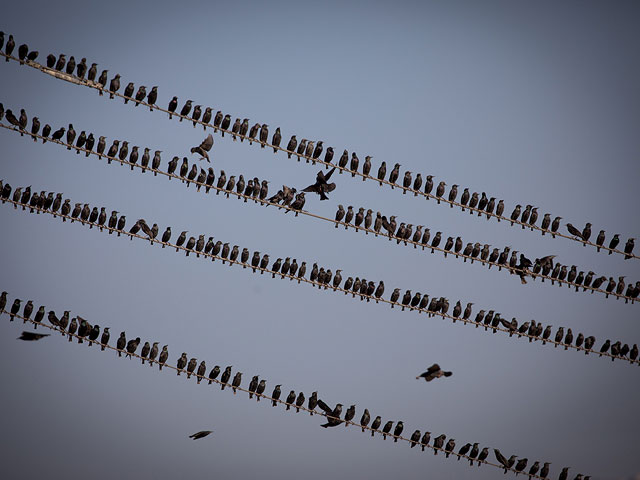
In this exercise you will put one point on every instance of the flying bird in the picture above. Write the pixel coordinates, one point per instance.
(201, 434)
(321, 187)
(31, 336)
(434, 371)
(204, 147)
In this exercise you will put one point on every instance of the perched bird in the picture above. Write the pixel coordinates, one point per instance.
(386, 429)
(152, 97)
(275, 395)
(114, 85)
(173, 104)
(434, 371)
(574, 231)
(376, 424)
(201, 434)
(186, 108)
(364, 420)
(397, 431)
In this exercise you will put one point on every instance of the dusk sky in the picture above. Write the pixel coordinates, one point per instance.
(532, 102)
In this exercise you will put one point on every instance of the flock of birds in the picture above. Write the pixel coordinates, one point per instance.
(289, 197)
(310, 149)
(258, 190)
(150, 353)
(318, 275)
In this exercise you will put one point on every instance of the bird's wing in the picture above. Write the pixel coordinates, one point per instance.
(330, 187)
(447, 374)
(433, 368)
(207, 143)
(320, 178)
(311, 188)
(328, 175)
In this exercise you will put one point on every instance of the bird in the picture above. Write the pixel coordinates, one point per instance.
(321, 187)
(237, 379)
(386, 429)
(376, 424)
(186, 108)
(397, 431)
(574, 231)
(32, 336)
(275, 395)
(201, 434)
(204, 147)
(434, 371)
(114, 85)
(152, 97)
(364, 420)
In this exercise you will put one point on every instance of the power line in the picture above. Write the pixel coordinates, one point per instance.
(521, 272)
(208, 381)
(75, 80)
(494, 326)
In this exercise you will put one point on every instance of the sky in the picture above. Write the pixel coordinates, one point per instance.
(535, 103)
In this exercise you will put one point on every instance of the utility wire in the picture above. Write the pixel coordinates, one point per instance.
(494, 327)
(522, 273)
(75, 80)
(206, 381)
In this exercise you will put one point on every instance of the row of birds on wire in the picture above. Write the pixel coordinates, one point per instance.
(480, 203)
(318, 275)
(259, 191)
(150, 353)
(289, 197)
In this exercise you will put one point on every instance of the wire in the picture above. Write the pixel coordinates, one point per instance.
(415, 244)
(96, 86)
(326, 286)
(258, 395)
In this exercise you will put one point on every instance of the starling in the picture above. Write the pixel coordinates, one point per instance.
(614, 243)
(628, 248)
(104, 340)
(202, 370)
(264, 135)
(71, 65)
(321, 185)
(395, 173)
(277, 138)
(146, 348)
(128, 92)
(434, 371)
(202, 434)
(15, 308)
(260, 389)
(173, 104)
(275, 395)
(440, 191)
(366, 417)
(376, 424)
(386, 429)
(453, 193)
(195, 116)
(140, 94)
(299, 401)
(152, 97)
(397, 431)
(291, 146)
(185, 109)
(382, 171)
(182, 362)
(164, 355)
(291, 398)
(31, 336)
(93, 334)
(406, 182)
(191, 366)
(132, 345)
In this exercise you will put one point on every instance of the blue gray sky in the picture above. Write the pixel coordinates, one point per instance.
(530, 102)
